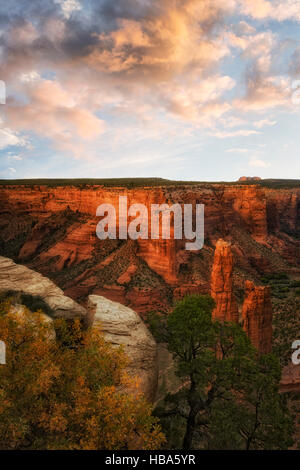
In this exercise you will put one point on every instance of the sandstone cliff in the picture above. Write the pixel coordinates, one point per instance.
(19, 278)
(222, 284)
(257, 316)
(122, 326)
(52, 229)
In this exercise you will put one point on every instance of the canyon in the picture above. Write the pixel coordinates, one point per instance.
(52, 229)
(250, 230)
(120, 325)
(256, 314)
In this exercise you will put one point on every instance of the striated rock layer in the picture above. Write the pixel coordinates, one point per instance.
(19, 278)
(123, 326)
(52, 229)
(221, 284)
(257, 316)
(120, 325)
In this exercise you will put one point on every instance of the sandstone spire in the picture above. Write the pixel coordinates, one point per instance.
(257, 316)
(221, 284)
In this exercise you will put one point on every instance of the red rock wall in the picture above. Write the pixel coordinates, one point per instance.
(242, 214)
(222, 284)
(257, 316)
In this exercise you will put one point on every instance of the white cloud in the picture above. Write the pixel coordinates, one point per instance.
(10, 138)
(239, 133)
(279, 10)
(264, 122)
(15, 157)
(258, 163)
(69, 6)
(30, 76)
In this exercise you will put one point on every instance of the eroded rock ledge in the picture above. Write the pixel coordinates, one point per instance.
(16, 277)
(122, 326)
(119, 324)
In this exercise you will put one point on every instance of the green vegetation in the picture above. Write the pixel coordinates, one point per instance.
(228, 398)
(281, 285)
(32, 302)
(286, 323)
(141, 182)
(67, 394)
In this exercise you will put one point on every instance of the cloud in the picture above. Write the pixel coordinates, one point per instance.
(238, 150)
(258, 163)
(264, 93)
(9, 138)
(30, 76)
(279, 10)
(78, 69)
(15, 157)
(54, 113)
(264, 122)
(200, 101)
(69, 6)
(264, 87)
(238, 133)
(168, 40)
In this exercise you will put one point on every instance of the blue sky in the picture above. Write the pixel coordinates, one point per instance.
(190, 89)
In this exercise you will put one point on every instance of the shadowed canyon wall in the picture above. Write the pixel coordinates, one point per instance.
(257, 316)
(257, 313)
(53, 230)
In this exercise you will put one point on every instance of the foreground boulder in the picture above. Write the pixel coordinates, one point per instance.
(15, 277)
(122, 326)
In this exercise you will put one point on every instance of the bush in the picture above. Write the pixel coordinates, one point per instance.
(295, 284)
(58, 397)
(32, 302)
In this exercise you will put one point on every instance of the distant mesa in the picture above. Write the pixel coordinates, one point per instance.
(250, 178)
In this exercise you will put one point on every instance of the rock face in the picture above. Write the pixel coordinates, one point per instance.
(52, 230)
(123, 326)
(257, 316)
(249, 178)
(290, 380)
(120, 325)
(221, 284)
(19, 278)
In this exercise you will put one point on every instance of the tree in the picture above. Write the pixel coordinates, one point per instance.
(66, 390)
(229, 396)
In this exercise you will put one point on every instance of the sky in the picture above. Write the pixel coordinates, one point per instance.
(205, 90)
